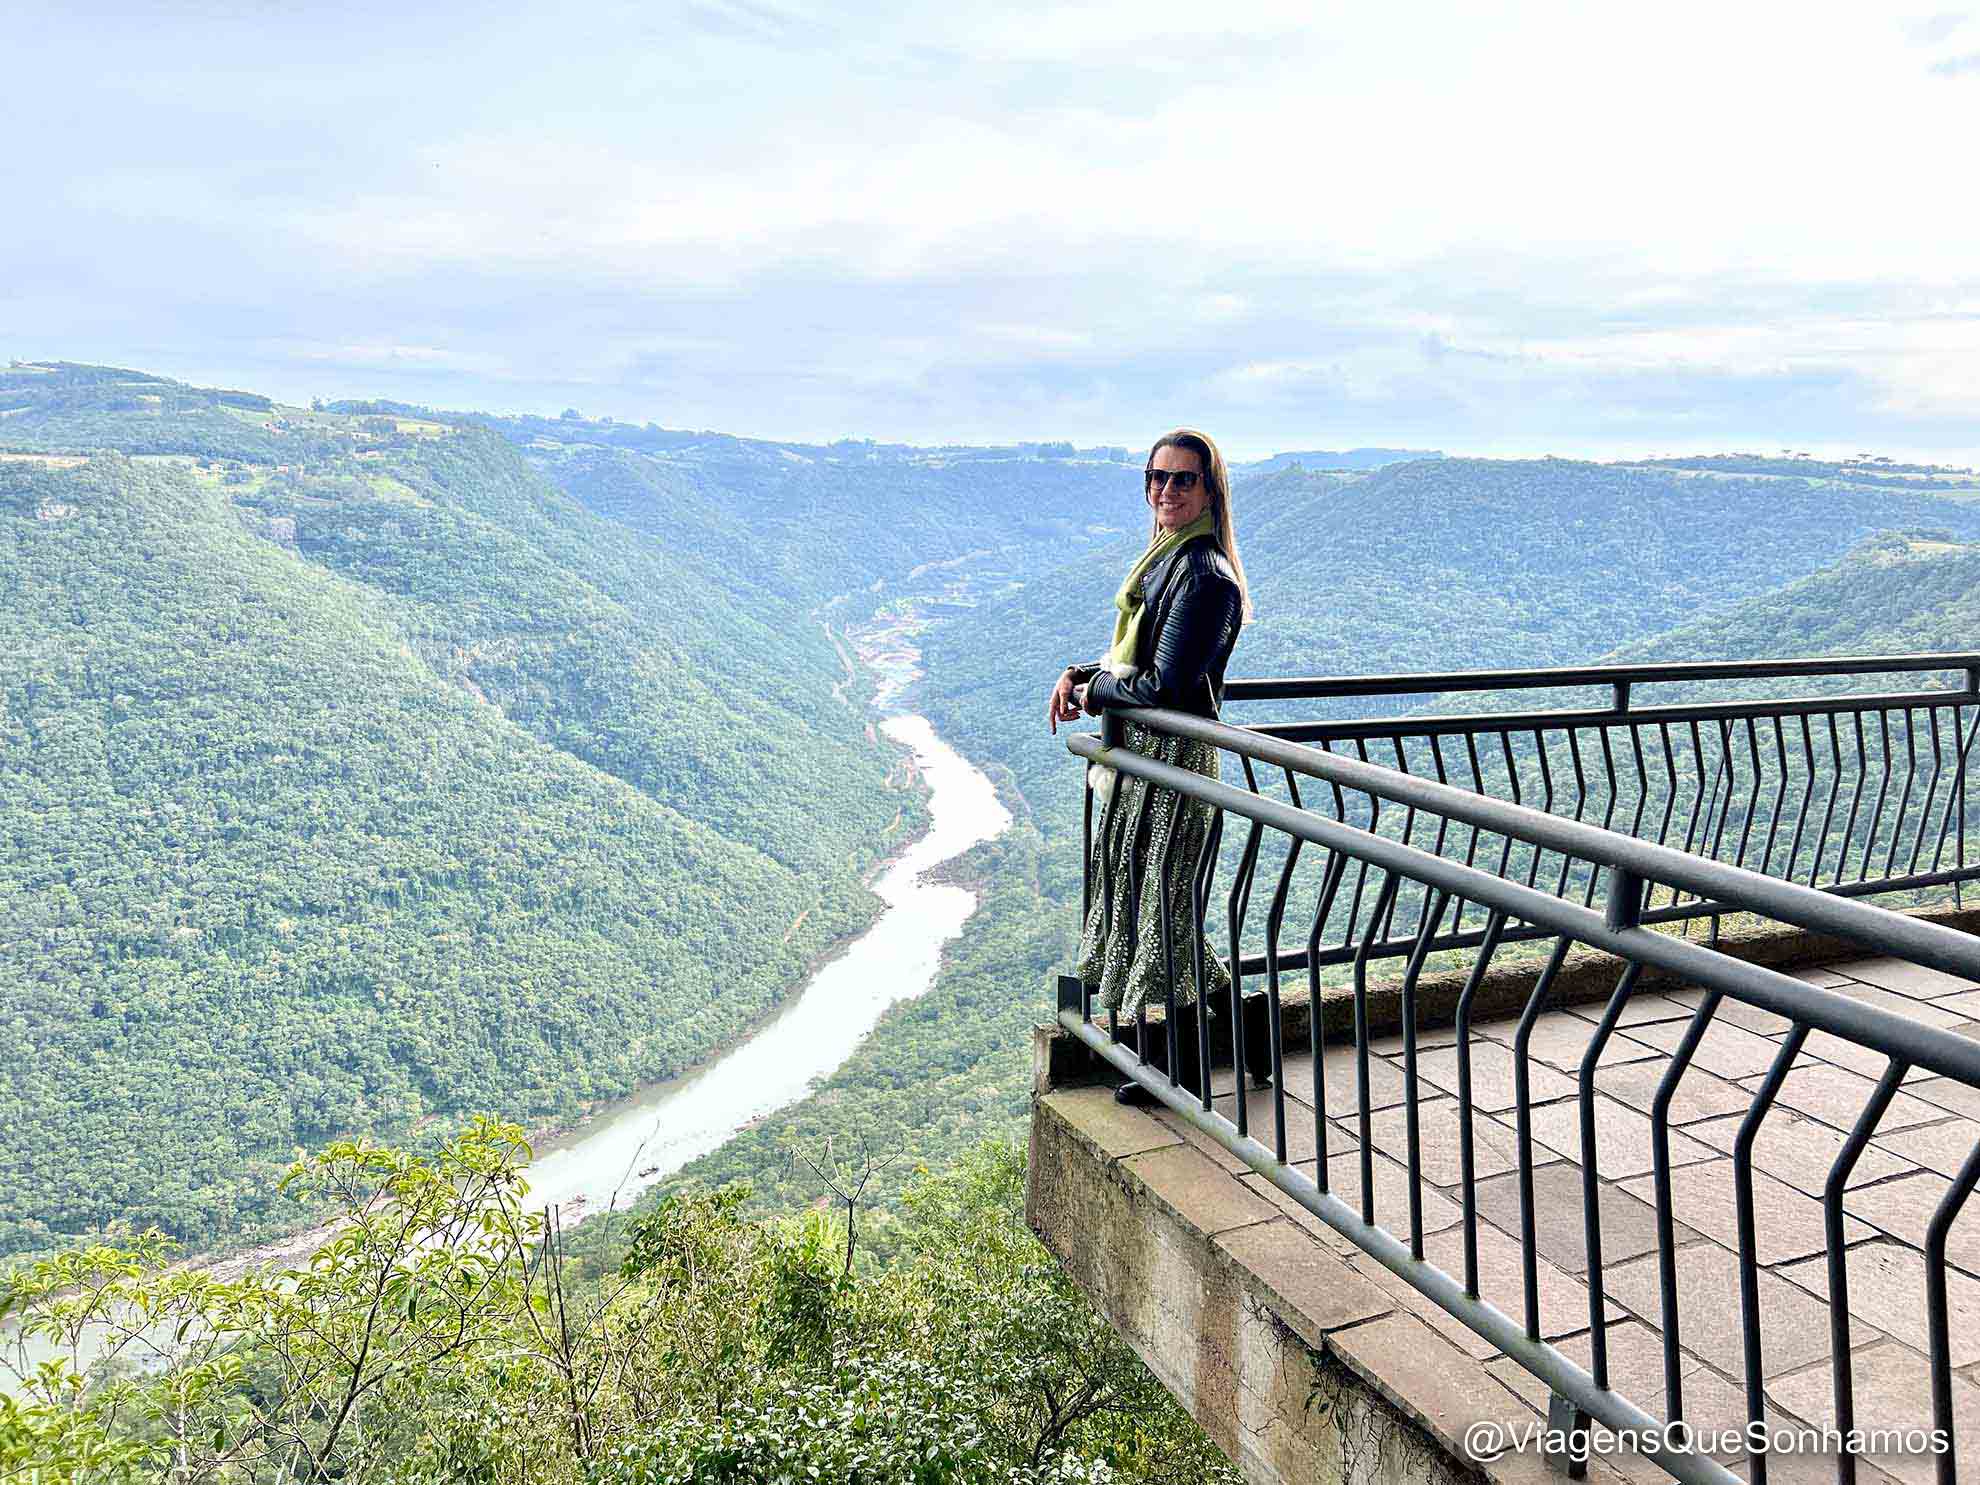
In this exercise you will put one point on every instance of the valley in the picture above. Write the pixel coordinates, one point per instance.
(369, 765)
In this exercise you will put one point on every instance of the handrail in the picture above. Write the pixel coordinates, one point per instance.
(1417, 724)
(1317, 687)
(1928, 943)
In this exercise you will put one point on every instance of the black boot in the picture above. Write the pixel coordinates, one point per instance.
(1257, 1034)
(1258, 1040)
(1182, 1042)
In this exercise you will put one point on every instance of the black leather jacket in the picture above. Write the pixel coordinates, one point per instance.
(1191, 621)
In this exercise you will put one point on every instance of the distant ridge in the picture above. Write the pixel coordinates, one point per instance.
(1338, 459)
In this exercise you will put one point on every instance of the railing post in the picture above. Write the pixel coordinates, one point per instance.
(1624, 908)
(1569, 1425)
(1622, 696)
(1085, 848)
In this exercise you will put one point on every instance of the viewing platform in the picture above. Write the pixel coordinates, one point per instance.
(1673, 1064)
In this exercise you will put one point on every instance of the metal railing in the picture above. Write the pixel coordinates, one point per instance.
(1857, 794)
(1465, 874)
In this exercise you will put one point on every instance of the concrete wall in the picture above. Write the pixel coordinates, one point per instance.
(1298, 1366)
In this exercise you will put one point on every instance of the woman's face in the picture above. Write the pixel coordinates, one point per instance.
(1174, 506)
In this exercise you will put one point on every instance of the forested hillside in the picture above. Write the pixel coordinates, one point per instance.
(820, 520)
(1896, 594)
(373, 784)
(848, 519)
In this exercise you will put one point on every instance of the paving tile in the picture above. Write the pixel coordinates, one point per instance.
(1492, 1085)
(1804, 1467)
(1734, 1012)
(1500, 1030)
(1117, 1129)
(1629, 1226)
(1890, 1388)
(1385, 1081)
(1344, 1134)
(1864, 1061)
(1689, 996)
(1699, 1094)
(1406, 1297)
(1317, 1289)
(1967, 1002)
(1344, 1181)
(1925, 1012)
(1502, 1281)
(1391, 1045)
(1223, 1080)
(1904, 1208)
(1794, 1325)
(1947, 1093)
(1636, 1370)
(1521, 1383)
(1786, 1223)
(1903, 976)
(1939, 1147)
(1799, 1150)
(1561, 1040)
(1199, 1189)
(1887, 1293)
(1493, 1147)
(1838, 1097)
(1823, 976)
(1392, 1194)
(1727, 1051)
(1622, 1137)
(1258, 1112)
(1738, 1013)
(1640, 1010)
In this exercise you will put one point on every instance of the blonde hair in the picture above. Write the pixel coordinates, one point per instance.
(1217, 487)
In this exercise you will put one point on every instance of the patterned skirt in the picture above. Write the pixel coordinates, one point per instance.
(1126, 961)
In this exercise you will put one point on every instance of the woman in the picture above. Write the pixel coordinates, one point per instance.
(1177, 616)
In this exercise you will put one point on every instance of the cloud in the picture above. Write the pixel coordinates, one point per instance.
(1957, 66)
(750, 20)
(1011, 220)
(1932, 29)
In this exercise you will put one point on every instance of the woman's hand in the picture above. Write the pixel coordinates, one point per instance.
(1065, 703)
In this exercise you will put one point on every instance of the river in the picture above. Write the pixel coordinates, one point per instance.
(631, 1144)
(649, 1136)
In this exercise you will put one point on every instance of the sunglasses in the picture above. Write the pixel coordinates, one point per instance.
(1183, 479)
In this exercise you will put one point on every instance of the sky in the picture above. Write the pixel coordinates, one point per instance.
(1519, 228)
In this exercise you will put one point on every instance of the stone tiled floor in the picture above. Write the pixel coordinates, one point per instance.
(1920, 1143)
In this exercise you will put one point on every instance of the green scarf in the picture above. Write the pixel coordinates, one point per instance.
(1127, 622)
